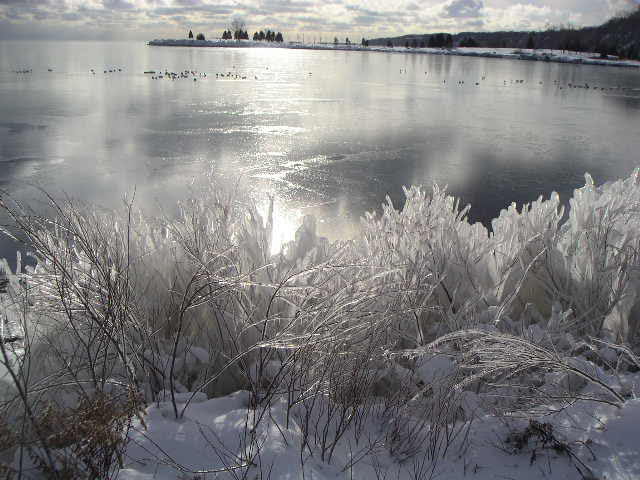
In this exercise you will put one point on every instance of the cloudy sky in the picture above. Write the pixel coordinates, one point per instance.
(143, 19)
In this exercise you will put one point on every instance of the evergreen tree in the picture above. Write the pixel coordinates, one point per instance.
(261, 36)
(531, 45)
(335, 40)
(468, 42)
(200, 36)
(255, 37)
(279, 38)
(440, 40)
(190, 34)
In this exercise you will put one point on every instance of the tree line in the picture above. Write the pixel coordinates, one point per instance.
(236, 35)
(238, 32)
(438, 40)
(268, 36)
(619, 36)
(199, 36)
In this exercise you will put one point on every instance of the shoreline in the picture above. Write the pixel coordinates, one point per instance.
(552, 56)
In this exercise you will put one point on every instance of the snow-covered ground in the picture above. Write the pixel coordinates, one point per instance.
(595, 439)
(509, 53)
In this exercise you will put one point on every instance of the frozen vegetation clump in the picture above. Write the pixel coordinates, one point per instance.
(387, 346)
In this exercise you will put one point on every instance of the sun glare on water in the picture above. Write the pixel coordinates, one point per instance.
(285, 223)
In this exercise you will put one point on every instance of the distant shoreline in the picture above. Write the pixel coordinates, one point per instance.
(554, 56)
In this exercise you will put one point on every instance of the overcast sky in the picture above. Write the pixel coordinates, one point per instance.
(143, 19)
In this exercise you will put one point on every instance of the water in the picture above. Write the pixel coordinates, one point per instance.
(328, 133)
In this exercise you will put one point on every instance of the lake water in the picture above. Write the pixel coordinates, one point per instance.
(328, 133)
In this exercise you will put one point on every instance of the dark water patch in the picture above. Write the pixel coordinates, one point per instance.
(16, 128)
(20, 160)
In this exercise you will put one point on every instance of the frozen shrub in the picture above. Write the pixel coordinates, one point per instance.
(521, 243)
(596, 275)
(196, 302)
(434, 258)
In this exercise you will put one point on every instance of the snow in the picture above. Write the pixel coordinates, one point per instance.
(556, 56)
(212, 435)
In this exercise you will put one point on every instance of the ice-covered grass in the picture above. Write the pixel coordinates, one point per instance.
(556, 56)
(425, 346)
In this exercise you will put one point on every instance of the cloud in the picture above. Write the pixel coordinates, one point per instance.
(621, 6)
(524, 16)
(117, 5)
(146, 19)
(188, 3)
(24, 2)
(464, 8)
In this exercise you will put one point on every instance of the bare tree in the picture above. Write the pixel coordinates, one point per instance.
(237, 27)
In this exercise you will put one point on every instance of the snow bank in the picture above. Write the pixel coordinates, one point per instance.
(212, 437)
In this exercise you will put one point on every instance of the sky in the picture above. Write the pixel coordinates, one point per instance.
(316, 19)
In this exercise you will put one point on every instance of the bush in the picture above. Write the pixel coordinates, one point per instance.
(121, 304)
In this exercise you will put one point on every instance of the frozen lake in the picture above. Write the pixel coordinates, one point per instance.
(328, 133)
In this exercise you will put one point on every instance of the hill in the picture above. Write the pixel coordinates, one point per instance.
(619, 36)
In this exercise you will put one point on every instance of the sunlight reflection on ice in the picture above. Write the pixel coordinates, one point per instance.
(285, 223)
